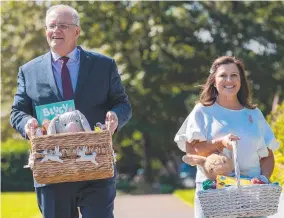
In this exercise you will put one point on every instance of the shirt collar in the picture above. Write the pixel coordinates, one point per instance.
(73, 55)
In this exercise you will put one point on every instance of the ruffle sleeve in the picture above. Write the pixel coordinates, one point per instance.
(268, 138)
(193, 128)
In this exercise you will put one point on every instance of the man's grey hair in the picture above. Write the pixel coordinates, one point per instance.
(74, 13)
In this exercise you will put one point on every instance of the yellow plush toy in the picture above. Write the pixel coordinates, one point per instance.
(225, 181)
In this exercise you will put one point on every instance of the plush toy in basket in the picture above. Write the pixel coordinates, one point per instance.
(213, 165)
(239, 199)
(71, 151)
(73, 121)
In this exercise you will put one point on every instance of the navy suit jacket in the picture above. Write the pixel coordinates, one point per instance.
(99, 89)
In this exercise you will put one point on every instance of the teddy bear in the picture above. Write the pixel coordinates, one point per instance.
(221, 165)
(213, 165)
(73, 121)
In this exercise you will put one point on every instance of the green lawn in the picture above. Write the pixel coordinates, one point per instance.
(19, 205)
(186, 196)
(24, 204)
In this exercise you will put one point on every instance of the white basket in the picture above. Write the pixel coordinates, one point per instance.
(240, 201)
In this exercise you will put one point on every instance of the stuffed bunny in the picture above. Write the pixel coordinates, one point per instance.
(213, 165)
(73, 121)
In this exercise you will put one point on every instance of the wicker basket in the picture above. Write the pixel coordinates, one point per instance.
(240, 201)
(70, 157)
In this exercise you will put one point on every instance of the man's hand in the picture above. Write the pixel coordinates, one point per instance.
(30, 127)
(111, 121)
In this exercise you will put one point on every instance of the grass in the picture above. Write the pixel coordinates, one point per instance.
(19, 204)
(22, 205)
(186, 195)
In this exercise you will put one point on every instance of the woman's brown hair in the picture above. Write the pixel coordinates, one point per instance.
(209, 93)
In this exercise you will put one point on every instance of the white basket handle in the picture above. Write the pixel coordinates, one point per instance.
(236, 164)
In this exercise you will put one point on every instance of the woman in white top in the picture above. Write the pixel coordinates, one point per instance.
(224, 114)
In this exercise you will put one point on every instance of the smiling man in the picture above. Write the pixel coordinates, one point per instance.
(62, 29)
(67, 72)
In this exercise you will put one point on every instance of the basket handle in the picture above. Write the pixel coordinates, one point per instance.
(236, 164)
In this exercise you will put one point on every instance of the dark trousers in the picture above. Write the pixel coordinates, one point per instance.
(94, 198)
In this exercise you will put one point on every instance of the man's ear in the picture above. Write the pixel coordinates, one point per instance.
(77, 32)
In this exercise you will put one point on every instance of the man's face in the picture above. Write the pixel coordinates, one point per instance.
(61, 32)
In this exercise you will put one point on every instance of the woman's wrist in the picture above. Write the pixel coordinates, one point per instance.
(218, 144)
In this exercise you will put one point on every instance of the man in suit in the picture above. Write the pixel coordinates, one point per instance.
(92, 80)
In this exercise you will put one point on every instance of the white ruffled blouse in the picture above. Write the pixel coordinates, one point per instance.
(205, 123)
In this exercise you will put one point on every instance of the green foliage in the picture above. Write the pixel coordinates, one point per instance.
(123, 183)
(163, 53)
(164, 50)
(23, 38)
(14, 155)
(166, 188)
(276, 120)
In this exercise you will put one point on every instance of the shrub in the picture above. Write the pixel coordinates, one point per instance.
(123, 183)
(276, 120)
(14, 155)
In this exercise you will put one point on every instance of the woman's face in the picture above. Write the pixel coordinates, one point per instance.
(227, 80)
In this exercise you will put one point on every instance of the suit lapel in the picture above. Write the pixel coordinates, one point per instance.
(85, 68)
(48, 73)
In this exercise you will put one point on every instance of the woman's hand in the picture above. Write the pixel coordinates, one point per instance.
(226, 141)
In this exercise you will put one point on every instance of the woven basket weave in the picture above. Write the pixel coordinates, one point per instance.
(70, 168)
(240, 201)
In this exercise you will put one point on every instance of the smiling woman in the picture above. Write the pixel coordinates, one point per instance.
(225, 114)
(227, 84)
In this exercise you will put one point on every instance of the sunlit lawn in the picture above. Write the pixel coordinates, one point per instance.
(24, 204)
(19, 205)
(186, 195)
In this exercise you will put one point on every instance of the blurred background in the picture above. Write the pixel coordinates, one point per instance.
(164, 51)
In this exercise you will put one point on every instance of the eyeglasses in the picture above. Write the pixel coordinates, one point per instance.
(62, 26)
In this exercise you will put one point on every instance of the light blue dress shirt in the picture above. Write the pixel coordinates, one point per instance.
(73, 65)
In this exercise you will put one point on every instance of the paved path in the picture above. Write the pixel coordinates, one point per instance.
(151, 206)
(161, 206)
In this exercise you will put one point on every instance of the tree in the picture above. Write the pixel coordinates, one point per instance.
(164, 50)
(21, 38)
(276, 120)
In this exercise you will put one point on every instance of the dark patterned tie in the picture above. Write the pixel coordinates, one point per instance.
(66, 80)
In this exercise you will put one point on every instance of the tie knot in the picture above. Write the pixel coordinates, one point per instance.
(64, 59)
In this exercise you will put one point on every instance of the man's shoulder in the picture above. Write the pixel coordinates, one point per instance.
(34, 62)
(97, 55)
